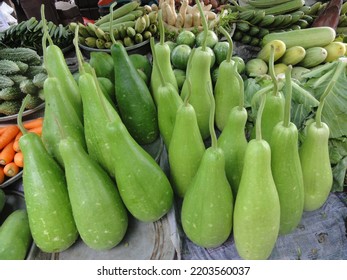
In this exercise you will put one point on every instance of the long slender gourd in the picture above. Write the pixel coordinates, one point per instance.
(45, 191)
(186, 148)
(257, 206)
(286, 166)
(162, 59)
(207, 208)
(198, 70)
(15, 236)
(227, 88)
(314, 154)
(100, 215)
(56, 66)
(135, 103)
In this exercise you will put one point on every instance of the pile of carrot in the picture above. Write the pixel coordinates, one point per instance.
(11, 157)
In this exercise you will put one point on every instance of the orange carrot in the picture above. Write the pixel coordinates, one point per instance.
(33, 123)
(2, 129)
(16, 147)
(11, 169)
(7, 154)
(8, 135)
(18, 159)
(2, 174)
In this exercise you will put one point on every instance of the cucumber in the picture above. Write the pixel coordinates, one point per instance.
(15, 236)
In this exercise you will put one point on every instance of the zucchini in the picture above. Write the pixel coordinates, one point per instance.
(314, 56)
(15, 236)
(306, 38)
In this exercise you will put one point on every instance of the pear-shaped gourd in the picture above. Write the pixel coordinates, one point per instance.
(207, 208)
(161, 63)
(198, 71)
(314, 154)
(60, 120)
(257, 206)
(100, 215)
(286, 167)
(228, 87)
(142, 184)
(168, 102)
(45, 191)
(233, 141)
(186, 149)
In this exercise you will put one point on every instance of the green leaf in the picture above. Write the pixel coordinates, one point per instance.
(339, 175)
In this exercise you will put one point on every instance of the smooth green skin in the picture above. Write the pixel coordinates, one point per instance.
(185, 152)
(316, 168)
(2, 199)
(102, 63)
(273, 114)
(233, 142)
(15, 236)
(142, 184)
(207, 209)
(55, 65)
(100, 215)
(60, 120)
(226, 92)
(200, 78)
(168, 103)
(96, 111)
(135, 103)
(107, 88)
(287, 174)
(257, 206)
(162, 52)
(47, 201)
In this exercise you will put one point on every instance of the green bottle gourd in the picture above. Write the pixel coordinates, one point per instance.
(100, 215)
(286, 166)
(186, 148)
(45, 191)
(15, 236)
(59, 120)
(314, 154)
(161, 61)
(198, 71)
(257, 206)
(142, 184)
(227, 88)
(207, 208)
(274, 106)
(233, 141)
(168, 102)
(56, 66)
(134, 100)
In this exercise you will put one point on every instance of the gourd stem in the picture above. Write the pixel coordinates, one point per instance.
(230, 41)
(204, 25)
(242, 89)
(78, 52)
(20, 115)
(338, 70)
(214, 142)
(161, 28)
(45, 28)
(260, 92)
(259, 115)
(286, 119)
(272, 70)
(111, 26)
(155, 60)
